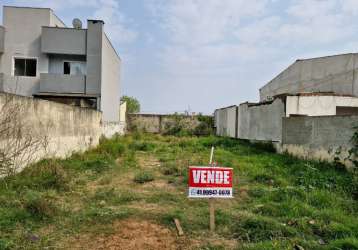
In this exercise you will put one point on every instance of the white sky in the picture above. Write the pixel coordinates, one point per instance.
(205, 54)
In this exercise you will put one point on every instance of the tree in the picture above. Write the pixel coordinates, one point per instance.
(133, 105)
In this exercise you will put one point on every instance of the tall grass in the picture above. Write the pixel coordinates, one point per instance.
(280, 202)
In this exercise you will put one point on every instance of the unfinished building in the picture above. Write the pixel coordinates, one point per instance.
(319, 94)
(41, 57)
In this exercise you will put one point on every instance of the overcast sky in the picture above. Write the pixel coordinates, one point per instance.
(206, 54)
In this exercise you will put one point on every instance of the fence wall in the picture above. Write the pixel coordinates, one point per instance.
(320, 137)
(226, 121)
(66, 128)
(261, 122)
(251, 121)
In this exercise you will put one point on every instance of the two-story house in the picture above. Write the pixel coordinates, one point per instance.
(41, 57)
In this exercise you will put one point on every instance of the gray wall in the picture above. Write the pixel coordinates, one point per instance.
(326, 74)
(59, 83)
(56, 62)
(22, 39)
(94, 56)
(110, 78)
(261, 122)
(318, 137)
(67, 128)
(63, 41)
(225, 121)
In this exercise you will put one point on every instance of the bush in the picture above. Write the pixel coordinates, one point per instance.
(98, 165)
(177, 126)
(47, 174)
(205, 126)
(89, 161)
(112, 147)
(143, 177)
(38, 205)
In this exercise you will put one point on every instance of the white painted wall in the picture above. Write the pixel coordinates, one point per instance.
(123, 112)
(317, 105)
(55, 21)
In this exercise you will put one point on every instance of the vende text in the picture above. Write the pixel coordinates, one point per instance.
(210, 177)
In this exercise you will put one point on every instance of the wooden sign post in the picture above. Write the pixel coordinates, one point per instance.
(212, 214)
(211, 200)
(210, 182)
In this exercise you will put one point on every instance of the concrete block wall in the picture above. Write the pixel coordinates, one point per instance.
(260, 122)
(320, 138)
(226, 121)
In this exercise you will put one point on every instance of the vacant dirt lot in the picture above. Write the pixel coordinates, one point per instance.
(126, 193)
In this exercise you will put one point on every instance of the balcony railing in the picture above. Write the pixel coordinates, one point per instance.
(68, 41)
(62, 84)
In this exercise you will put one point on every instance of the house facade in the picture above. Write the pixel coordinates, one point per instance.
(41, 57)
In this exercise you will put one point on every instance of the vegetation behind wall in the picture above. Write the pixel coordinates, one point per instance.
(174, 124)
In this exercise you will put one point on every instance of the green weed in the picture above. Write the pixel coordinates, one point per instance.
(143, 177)
(113, 147)
(38, 205)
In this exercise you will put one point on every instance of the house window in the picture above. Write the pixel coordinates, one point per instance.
(346, 110)
(74, 68)
(25, 67)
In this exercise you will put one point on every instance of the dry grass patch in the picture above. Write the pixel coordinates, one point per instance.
(127, 235)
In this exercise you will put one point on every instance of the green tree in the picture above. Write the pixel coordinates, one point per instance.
(133, 105)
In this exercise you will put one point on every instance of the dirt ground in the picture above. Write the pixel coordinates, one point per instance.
(133, 235)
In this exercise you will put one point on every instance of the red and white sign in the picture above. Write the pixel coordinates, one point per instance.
(210, 182)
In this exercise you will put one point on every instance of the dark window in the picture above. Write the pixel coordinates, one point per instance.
(19, 67)
(66, 68)
(25, 67)
(346, 110)
(30, 67)
(74, 68)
